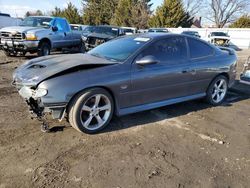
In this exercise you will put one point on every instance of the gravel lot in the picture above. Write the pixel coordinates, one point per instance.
(185, 145)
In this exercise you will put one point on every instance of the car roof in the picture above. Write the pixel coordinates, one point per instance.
(111, 26)
(190, 31)
(42, 16)
(158, 35)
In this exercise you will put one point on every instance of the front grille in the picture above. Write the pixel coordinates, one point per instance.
(91, 40)
(95, 41)
(9, 35)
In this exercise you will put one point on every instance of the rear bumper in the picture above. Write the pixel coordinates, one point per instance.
(18, 46)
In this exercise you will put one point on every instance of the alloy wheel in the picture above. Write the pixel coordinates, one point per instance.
(219, 90)
(95, 112)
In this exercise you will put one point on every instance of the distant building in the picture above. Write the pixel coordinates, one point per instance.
(196, 23)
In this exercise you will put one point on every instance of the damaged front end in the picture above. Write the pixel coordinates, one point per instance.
(37, 107)
(42, 82)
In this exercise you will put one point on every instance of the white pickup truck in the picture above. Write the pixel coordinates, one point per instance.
(219, 38)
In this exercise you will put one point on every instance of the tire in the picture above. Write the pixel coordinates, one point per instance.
(87, 115)
(44, 49)
(217, 90)
(9, 54)
(81, 48)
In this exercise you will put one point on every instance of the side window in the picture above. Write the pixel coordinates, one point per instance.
(199, 49)
(168, 50)
(65, 26)
(58, 24)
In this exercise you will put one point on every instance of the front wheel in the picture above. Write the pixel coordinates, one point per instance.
(91, 110)
(81, 48)
(217, 90)
(44, 49)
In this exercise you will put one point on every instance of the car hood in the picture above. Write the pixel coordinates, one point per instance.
(36, 70)
(21, 29)
(220, 37)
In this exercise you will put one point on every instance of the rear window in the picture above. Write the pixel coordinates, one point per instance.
(199, 49)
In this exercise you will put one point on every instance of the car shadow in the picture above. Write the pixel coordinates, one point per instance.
(239, 92)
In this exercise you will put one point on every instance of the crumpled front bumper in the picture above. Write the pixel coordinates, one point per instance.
(23, 46)
(38, 108)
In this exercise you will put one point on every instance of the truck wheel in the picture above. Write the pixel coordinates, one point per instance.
(44, 49)
(91, 110)
(82, 48)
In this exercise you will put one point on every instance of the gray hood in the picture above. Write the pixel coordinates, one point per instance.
(21, 29)
(36, 70)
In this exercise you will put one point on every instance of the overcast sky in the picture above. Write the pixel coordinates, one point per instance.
(20, 7)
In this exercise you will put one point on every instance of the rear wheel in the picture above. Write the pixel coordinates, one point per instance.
(217, 90)
(91, 110)
(44, 49)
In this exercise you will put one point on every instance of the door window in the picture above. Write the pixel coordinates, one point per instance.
(59, 24)
(169, 51)
(65, 25)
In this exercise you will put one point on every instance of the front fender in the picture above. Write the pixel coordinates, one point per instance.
(57, 93)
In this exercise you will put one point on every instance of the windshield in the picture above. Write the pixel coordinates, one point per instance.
(36, 22)
(88, 29)
(128, 31)
(218, 34)
(102, 30)
(119, 49)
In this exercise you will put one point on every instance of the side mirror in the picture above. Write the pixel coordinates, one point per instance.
(54, 28)
(147, 60)
(209, 36)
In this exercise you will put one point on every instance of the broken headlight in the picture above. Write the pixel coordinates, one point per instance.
(39, 92)
(27, 92)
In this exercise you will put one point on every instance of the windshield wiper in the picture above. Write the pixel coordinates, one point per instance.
(97, 55)
(103, 57)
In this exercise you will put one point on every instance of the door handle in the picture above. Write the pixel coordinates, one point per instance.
(192, 71)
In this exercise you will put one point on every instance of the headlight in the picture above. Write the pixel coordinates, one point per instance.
(39, 92)
(31, 36)
(84, 38)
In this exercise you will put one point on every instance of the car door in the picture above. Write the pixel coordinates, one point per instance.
(167, 79)
(60, 36)
(203, 62)
(68, 34)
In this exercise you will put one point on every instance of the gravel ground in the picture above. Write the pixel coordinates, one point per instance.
(185, 145)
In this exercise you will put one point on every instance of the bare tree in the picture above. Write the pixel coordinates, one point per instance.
(193, 7)
(222, 12)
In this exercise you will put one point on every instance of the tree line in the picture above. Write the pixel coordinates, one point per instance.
(139, 14)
